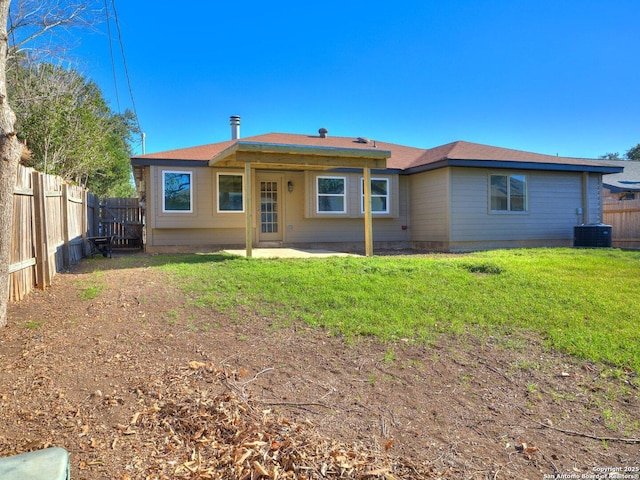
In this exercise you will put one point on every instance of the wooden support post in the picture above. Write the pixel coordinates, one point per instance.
(248, 208)
(368, 219)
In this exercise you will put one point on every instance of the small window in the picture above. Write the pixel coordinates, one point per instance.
(230, 198)
(177, 195)
(331, 194)
(508, 193)
(379, 195)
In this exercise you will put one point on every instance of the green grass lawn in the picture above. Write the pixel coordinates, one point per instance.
(583, 302)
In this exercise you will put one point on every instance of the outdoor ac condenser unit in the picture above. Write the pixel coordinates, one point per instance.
(597, 235)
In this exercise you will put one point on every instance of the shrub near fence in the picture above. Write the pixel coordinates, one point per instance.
(624, 218)
(51, 221)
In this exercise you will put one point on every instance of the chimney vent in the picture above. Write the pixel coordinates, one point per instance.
(235, 127)
(323, 132)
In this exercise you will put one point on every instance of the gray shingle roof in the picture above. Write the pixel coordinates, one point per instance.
(404, 158)
(628, 180)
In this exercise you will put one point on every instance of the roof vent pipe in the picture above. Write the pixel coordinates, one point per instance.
(323, 132)
(235, 127)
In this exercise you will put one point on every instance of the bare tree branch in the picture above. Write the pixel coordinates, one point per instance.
(44, 27)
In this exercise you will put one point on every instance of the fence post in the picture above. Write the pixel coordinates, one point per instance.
(40, 224)
(95, 227)
(66, 254)
(85, 221)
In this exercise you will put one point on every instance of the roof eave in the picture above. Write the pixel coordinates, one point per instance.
(223, 155)
(620, 188)
(510, 164)
(167, 162)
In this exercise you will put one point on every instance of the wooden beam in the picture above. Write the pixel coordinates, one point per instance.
(262, 159)
(229, 156)
(342, 152)
(368, 219)
(232, 163)
(248, 208)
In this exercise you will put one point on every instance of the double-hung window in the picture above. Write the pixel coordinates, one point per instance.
(230, 198)
(508, 193)
(379, 195)
(331, 194)
(177, 194)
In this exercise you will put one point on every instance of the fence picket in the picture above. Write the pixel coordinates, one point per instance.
(624, 218)
(51, 224)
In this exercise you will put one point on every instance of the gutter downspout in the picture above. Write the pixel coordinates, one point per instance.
(586, 215)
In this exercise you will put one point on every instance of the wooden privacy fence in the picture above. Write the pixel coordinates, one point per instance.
(122, 219)
(51, 222)
(624, 218)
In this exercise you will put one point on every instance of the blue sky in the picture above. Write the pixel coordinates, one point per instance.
(555, 77)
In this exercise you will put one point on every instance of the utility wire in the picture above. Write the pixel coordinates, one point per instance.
(124, 61)
(113, 63)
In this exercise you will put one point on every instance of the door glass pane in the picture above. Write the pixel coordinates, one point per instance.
(269, 207)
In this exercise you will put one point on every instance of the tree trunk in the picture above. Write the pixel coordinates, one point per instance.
(10, 150)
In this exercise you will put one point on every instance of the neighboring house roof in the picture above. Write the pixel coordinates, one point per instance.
(625, 181)
(402, 158)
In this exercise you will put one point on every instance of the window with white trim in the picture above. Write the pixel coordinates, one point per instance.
(508, 193)
(379, 195)
(230, 197)
(331, 194)
(177, 194)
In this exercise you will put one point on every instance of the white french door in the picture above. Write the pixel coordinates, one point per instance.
(269, 208)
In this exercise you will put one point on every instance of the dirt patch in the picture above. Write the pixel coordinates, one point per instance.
(112, 364)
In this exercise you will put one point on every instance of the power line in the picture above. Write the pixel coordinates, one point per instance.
(124, 62)
(113, 63)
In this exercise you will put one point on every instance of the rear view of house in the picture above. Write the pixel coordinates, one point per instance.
(355, 194)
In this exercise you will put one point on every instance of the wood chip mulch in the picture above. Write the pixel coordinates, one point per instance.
(198, 422)
(227, 435)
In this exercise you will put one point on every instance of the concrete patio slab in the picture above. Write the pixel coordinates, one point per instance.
(290, 253)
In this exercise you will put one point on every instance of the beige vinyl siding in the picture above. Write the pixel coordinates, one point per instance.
(149, 206)
(353, 183)
(204, 209)
(343, 230)
(304, 226)
(553, 200)
(203, 226)
(207, 227)
(199, 236)
(429, 200)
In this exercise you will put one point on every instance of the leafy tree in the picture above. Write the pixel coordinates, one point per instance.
(634, 153)
(70, 130)
(33, 24)
(631, 154)
(117, 179)
(611, 156)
